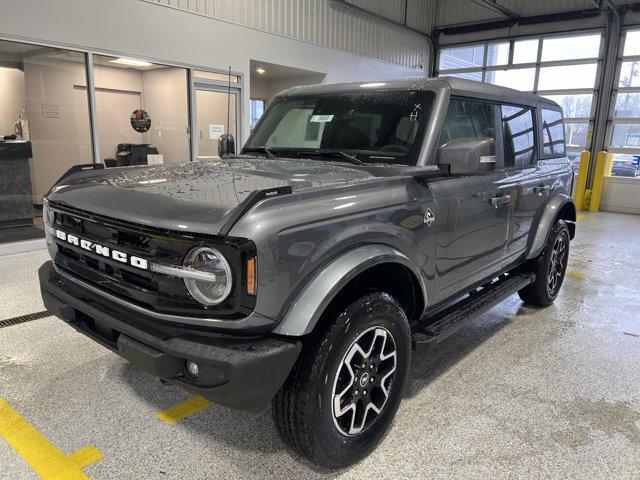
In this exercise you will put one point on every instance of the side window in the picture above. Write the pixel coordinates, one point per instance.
(468, 119)
(552, 133)
(518, 133)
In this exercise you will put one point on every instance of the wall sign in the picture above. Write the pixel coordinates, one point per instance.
(51, 111)
(140, 121)
(215, 131)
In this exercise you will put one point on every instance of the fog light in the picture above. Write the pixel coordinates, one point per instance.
(192, 369)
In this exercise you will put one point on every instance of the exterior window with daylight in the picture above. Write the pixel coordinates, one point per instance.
(563, 68)
(624, 133)
(44, 130)
(142, 112)
(519, 143)
(552, 133)
(257, 109)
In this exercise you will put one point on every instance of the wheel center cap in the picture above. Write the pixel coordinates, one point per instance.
(364, 379)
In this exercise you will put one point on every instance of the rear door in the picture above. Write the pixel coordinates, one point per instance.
(528, 181)
(472, 211)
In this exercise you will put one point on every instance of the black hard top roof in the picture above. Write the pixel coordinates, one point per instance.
(457, 86)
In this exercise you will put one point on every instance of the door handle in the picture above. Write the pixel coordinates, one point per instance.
(500, 200)
(540, 189)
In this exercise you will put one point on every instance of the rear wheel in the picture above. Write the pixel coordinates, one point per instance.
(346, 387)
(549, 267)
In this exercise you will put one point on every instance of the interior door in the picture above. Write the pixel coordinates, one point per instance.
(472, 211)
(216, 114)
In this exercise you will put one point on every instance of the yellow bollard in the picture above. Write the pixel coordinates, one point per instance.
(581, 183)
(604, 164)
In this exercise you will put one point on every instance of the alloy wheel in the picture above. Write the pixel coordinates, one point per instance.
(557, 265)
(363, 381)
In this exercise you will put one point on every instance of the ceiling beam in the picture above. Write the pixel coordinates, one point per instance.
(506, 23)
(494, 6)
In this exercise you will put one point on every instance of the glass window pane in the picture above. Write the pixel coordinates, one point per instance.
(224, 77)
(376, 128)
(517, 125)
(626, 136)
(626, 165)
(468, 119)
(477, 76)
(574, 106)
(498, 54)
(257, 109)
(525, 51)
(518, 78)
(576, 134)
(630, 74)
(141, 110)
(571, 48)
(44, 119)
(574, 157)
(552, 132)
(566, 77)
(461, 57)
(627, 105)
(632, 43)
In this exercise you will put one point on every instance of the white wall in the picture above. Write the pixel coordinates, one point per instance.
(323, 22)
(58, 143)
(165, 98)
(142, 29)
(621, 194)
(266, 89)
(12, 91)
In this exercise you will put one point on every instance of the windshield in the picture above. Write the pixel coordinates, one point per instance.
(357, 127)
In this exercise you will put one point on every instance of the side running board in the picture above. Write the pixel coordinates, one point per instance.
(452, 319)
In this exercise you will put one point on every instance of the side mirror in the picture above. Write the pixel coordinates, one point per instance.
(226, 145)
(468, 156)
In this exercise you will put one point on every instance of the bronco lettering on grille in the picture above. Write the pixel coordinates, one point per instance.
(98, 249)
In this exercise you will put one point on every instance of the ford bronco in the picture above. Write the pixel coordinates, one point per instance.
(359, 223)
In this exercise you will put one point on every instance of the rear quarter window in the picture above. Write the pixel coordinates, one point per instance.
(552, 133)
(519, 138)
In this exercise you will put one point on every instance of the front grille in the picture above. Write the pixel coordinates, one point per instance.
(158, 292)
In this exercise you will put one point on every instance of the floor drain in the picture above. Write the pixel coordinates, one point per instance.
(24, 318)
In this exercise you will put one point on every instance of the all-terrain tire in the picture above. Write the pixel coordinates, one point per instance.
(305, 411)
(552, 262)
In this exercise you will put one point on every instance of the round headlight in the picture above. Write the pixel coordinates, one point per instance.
(213, 284)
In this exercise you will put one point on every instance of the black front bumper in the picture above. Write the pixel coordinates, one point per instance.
(237, 372)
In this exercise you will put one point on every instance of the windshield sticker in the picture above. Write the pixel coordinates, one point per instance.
(321, 118)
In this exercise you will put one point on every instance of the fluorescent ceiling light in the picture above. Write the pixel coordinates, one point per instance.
(373, 85)
(131, 62)
(261, 70)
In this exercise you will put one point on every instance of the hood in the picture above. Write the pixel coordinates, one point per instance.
(195, 196)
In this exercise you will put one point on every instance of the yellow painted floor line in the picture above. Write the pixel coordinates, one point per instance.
(575, 275)
(183, 409)
(44, 457)
(580, 217)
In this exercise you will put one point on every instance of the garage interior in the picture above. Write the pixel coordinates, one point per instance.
(521, 392)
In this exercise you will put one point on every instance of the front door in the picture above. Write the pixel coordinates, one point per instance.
(472, 211)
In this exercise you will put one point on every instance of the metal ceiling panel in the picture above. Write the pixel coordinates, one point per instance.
(319, 22)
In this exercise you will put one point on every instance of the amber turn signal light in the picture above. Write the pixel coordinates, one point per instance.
(251, 276)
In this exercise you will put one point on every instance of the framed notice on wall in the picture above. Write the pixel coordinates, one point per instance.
(215, 131)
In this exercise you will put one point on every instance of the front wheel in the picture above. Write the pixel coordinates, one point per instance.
(346, 387)
(549, 267)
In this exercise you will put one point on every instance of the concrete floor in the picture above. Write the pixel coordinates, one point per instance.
(520, 393)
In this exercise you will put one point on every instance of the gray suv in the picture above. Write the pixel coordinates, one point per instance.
(360, 223)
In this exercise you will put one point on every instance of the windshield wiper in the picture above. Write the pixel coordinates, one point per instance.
(332, 153)
(264, 150)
